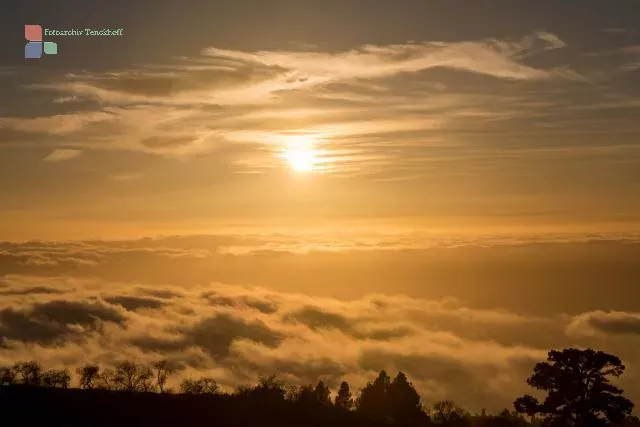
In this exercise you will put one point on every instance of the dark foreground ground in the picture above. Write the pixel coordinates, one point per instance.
(38, 406)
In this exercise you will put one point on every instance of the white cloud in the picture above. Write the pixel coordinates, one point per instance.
(126, 176)
(62, 154)
(493, 58)
(61, 124)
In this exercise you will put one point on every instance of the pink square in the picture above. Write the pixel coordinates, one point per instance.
(33, 33)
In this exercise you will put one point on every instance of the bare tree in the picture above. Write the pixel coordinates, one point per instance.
(162, 370)
(30, 372)
(56, 378)
(446, 412)
(129, 376)
(200, 386)
(105, 380)
(7, 375)
(89, 376)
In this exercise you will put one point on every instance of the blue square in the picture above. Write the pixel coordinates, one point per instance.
(33, 50)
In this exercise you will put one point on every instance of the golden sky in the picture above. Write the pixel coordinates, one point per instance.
(452, 127)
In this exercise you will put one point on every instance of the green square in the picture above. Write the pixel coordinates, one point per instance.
(50, 48)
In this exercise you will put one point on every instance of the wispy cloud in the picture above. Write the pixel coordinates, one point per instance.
(61, 124)
(243, 105)
(62, 154)
(126, 176)
(493, 58)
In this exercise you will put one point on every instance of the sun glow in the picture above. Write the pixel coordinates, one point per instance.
(300, 154)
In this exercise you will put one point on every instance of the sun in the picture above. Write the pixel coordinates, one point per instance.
(300, 154)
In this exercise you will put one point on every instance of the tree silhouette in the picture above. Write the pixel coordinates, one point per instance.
(577, 376)
(578, 389)
(404, 401)
(89, 376)
(162, 370)
(447, 413)
(630, 421)
(203, 385)
(30, 372)
(322, 394)
(56, 378)
(129, 376)
(344, 399)
(507, 419)
(7, 375)
(106, 380)
(303, 395)
(270, 390)
(372, 400)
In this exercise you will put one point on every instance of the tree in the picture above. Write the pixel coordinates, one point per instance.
(106, 380)
(7, 375)
(162, 370)
(447, 413)
(56, 378)
(579, 393)
(200, 386)
(630, 421)
(372, 400)
(404, 401)
(507, 418)
(30, 372)
(322, 394)
(269, 390)
(303, 395)
(129, 376)
(344, 399)
(89, 376)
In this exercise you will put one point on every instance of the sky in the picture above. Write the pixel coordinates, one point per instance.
(447, 188)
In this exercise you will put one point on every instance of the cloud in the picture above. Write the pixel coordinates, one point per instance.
(62, 154)
(33, 290)
(472, 266)
(493, 58)
(54, 320)
(125, 177)
(605, 323)
(219, 102)
(134, 303)
(300, 337)
(61, 124)
(630, 49)
(216, 334)
(552, 40)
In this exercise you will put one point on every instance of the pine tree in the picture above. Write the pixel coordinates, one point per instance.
(373, 400)
(343, 398)
(404, 400)
(322, 393)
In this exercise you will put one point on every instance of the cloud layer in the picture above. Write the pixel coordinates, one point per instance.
(78, 302)
(478, 357)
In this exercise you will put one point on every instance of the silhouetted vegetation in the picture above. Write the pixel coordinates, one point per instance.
(579, 394)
